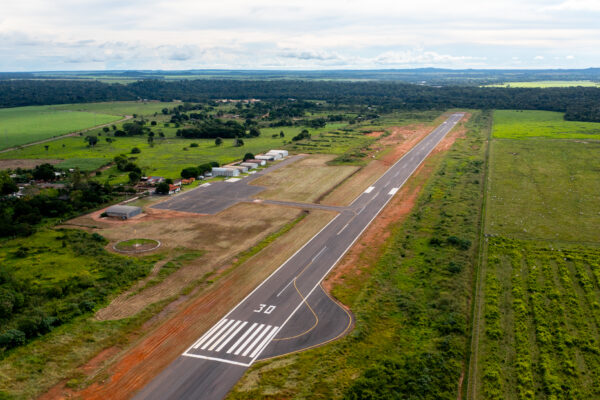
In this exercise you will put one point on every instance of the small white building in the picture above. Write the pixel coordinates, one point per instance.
(259, 162)
(284, 153)
(249, 165)
(223, 171)
(240, 168)
(276, 156)
(265, 157)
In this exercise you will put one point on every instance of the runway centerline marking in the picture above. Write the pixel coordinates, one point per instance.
(369, 189)
(286, 286)
(341, 230)
(318, 254)
(393, 191)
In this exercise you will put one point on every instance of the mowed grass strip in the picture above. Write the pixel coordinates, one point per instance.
(518, 124)
(24, 125)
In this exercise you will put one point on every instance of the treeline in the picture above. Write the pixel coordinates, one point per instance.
(215, 128)
(581, 103)
(21, 216)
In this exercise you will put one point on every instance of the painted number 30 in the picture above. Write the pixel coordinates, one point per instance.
(267, 310)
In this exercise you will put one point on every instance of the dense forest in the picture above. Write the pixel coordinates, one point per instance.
(579, 103)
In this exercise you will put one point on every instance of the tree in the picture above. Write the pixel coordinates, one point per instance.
(254, 132)
(190, 172)
(109, 140)
(46, 147)
(134, 177)
(153, 123)
(7, 185)
(162, 188)
(238, 142)
(218, 141)
(44, 172)
(151, 141)
(281, 134)
(135, 150)
(91, 140)
(248, 156)
(106, 129)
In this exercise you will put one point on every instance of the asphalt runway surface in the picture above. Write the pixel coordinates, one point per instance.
(288, 311)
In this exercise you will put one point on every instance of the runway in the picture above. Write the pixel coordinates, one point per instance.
(288, 311)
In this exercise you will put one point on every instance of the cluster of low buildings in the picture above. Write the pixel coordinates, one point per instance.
(236, 169)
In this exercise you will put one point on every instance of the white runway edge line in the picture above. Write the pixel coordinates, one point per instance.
(309, 241)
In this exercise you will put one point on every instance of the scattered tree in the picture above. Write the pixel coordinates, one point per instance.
(248, 156)
(135, 150)
(218, 141)
(91, 140)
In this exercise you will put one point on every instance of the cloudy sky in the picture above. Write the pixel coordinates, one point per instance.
(297, 34)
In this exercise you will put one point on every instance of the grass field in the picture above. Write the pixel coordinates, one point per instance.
(547, 84)
(168, 156)
(28, 124)
(316, 179)
(541, 275)
(411, 305)
(117, 107)
(545, 189)
(512, 124)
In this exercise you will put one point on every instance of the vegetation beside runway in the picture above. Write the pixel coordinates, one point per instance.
(539, 337)
(412, 305)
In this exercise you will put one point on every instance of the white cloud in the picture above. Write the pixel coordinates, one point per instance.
(37, 34)
(577, 5)
(538, 57)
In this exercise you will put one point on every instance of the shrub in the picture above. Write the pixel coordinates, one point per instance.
(12, 338)
(135, 150)
(462, 244)
(194, 145)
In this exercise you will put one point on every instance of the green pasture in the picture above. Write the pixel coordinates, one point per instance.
(541, 318)
(514, 124)
(169, 155)
(545, 189)
(117, 107)
(546, 84)
(24, 125)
